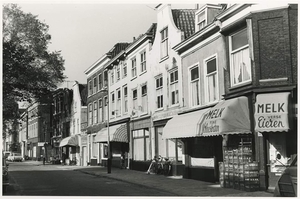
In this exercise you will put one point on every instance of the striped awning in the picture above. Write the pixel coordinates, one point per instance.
(69, 141)
(117, 133)
(183, 126)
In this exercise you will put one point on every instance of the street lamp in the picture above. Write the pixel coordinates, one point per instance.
(108, 136)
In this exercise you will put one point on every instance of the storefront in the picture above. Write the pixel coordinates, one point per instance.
(231, 119)
(273, 122)
(70, 149)
(140, 144)
(118, 141)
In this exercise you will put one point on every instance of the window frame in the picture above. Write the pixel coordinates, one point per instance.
(119, 101)
(159, 88)
(100, 82)
(232, 52)
(144, 94)
(216, 73)
(164, 36)
(203, 21)
(125, 99)
(143, 61)
(196, 65)
(95, 112)
(171, 83)
(133, 67)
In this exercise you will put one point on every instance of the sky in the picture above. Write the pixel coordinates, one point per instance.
(84, 31)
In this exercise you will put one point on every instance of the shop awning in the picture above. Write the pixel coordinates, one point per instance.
(117, 133)
(271, 112)
(227, 117)
(69, 141)
(183, 126)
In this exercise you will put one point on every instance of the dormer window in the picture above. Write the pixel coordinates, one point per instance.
(201, 20)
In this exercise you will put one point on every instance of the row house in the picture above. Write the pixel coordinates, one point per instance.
(78, 122)
(35, 130)
(241, 92)
(61, 121)
(97, 105)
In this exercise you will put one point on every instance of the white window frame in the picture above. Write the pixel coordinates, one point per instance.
(231, 53)
(100, 81)
(173, 84)
(133, 67)
(95, 112)
(90, 88)
(118, 71)
(105, 81)
(112, 76)
(95, 84)
(124, 70)
(160, 90)
(216, 73)
(190, 86)
(105, 109)
(125, 99)
(112, 107)
(201, 24)
(100, 108)
(143, 61)
(90, 109)
(164, 46)
(144, 96)
(134, 99)
(118, 104)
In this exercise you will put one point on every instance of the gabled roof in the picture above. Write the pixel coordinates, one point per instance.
(117, 49)
(83, 94)
(184, 19)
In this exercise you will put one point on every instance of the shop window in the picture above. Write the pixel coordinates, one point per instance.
(194, 86)
(211, 80)
(141, 145)
(240, 65)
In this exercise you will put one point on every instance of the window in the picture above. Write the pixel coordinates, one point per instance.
(90, 114)
(95, 85)
(100, 111)
(95, 112)
(143, 61)
(211, 90)
(112, 104)
(105, 78)
(118, 73)
(144, 107)
(194, 86)
(159, 92)
(124, 70)
(133, 67)
(201, 20)
(134, 98)
(118, 111)
(105, 110)
(240, 66)
(90, 88)
(174, 87)
(164, 43)
(100, 82)
(141, 145)
(125, 106)
(112, 77)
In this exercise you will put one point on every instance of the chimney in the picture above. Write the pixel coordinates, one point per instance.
(133, 38)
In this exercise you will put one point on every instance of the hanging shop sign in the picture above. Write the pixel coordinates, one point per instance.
(227, 117)
(271, 112)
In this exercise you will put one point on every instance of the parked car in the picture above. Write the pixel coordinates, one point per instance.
(287, 183)
(13, 157)
(5, 181)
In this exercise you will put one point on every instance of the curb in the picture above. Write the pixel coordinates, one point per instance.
(127, 181)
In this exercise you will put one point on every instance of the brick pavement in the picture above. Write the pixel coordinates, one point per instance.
(177, 186)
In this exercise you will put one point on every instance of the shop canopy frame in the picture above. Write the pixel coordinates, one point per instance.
(117, 133)
(69, 141)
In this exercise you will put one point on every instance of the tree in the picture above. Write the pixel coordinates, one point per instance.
(30, 70)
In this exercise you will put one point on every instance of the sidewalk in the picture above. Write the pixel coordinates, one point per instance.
(177, 186)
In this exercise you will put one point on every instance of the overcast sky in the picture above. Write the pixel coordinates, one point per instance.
(84, 31)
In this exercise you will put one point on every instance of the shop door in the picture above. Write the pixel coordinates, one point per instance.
(276, 145)
(84, 156)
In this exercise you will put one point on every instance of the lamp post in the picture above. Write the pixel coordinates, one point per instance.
(108, 136)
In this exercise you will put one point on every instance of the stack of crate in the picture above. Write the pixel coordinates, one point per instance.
(251, 175)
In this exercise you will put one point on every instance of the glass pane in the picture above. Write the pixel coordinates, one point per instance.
(240, 39)
(201, 16)
(211, 66)
(194, 73)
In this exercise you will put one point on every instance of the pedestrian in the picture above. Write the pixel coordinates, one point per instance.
(44, 159)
